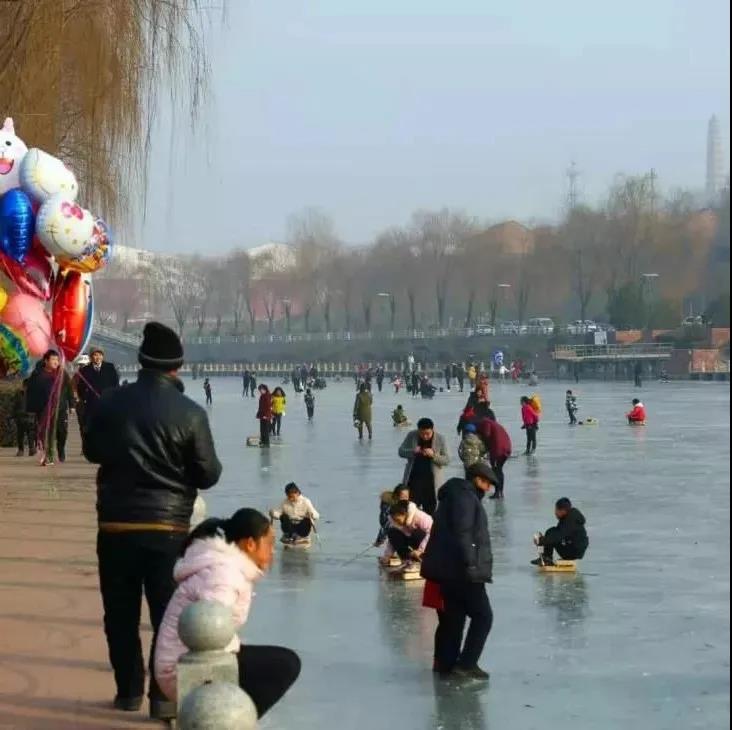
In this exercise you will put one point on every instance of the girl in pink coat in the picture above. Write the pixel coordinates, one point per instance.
(221, 562)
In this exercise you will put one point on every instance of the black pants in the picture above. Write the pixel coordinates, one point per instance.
(565, 552)
(572, 416)
(55, 443)
(460, 384)
(253, 389)
(265, 428)
(497, 466)
(276, 423)
(301, 529)
(130, 563)
(311, 412)
(422, 492)
(531, 439)
(266, 673)
(25, 426)
(209, 399)
(462, 601)
(402, 543)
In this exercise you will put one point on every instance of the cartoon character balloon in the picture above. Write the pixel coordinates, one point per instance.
(70, 311)
(95, 254)
(16, 224)
(43, 175)
(64, 227)
(14, 358)
(28, 319)
(12, 152)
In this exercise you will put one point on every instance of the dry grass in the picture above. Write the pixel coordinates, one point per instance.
(83, 80)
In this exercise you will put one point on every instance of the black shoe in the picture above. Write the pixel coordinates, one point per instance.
(127, 704)
(163, 710)
(542, 561)
(471, 673)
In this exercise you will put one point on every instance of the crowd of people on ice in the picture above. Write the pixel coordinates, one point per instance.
(155, 452)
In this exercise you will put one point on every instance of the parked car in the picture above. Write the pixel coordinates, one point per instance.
(485, 329)
(693, 320)
(540, 326)
(582, 326)
(512, 328)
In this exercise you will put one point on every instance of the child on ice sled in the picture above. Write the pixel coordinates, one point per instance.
(297, 516)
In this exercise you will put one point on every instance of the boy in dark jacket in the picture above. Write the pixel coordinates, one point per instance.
(459, 558)
(568, 538)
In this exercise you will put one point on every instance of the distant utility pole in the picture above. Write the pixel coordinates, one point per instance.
(572, 192)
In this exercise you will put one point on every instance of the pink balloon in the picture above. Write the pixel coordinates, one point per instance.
(25, 314)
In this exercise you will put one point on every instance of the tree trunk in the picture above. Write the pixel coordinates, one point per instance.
(412, 308)
(392, 311)
(326, 314)
(440, 311)
(288, 318)
(493, 311)
(367, 315)
(469, 313)
(306, 317)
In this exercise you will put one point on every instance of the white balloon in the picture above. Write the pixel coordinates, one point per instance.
(63, 226)
(43, 175)
(12, 151)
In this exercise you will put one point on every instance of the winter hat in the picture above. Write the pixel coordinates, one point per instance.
(470, 428)
(481, 469)
(161, 348)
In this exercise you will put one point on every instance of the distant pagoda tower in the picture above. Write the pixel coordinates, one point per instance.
(715, 161)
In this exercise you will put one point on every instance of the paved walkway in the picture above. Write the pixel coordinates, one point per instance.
(54, 673)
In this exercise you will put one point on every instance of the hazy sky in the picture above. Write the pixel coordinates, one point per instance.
(373, 108)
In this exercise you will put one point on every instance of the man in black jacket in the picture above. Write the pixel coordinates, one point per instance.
(91, 381)
(155, 451)
(568, 538)
(459, 558)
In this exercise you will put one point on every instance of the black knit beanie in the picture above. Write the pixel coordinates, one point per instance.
(161, 348)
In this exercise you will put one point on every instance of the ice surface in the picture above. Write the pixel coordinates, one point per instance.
(639, 638)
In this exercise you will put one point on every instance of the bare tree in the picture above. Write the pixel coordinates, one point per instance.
(440, 234)
(181, 286)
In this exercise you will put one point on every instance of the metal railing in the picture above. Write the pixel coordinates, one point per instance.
(115, 335)
(638, 351)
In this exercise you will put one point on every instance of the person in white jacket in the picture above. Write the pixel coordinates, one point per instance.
(221, 562)
(296, 514)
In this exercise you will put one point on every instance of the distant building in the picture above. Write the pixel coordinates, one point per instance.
(715, 160)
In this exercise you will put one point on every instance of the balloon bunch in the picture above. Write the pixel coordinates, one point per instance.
(49, 247)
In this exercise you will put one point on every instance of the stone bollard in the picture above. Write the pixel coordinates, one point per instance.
(208, 676)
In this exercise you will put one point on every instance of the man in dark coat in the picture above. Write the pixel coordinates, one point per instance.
(91, 381)
(155, 451)
(568, 538)
(459, 558)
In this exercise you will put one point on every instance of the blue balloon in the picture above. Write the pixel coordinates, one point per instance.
(17, 223)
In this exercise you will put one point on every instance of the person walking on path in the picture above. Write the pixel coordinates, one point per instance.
(245, 380)
(91, 381)
(380, 377)
(278, 410)
(530, 421)
(499, 446)
(458, 558)
(460, 375)
(50, 402)
(252, 384)
(155, 451)
(426, 453)
(310, 404)
(448, 376)
(223, 560)
(207, 391)
(264, 415)
(362, 411)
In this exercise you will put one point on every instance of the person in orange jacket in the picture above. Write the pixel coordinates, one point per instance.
(638, 414)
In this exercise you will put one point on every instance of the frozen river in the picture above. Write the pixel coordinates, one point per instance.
(639, 638)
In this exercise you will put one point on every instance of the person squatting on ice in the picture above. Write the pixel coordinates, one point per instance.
(387, 500)
(426, 453)
(530, 423)
(568, 538)
(458, 559)
(296, 514)
(637, 415)
(221, 561)
(407, 534)
(155, 451)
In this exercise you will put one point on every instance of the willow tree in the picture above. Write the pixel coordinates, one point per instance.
(83, 79)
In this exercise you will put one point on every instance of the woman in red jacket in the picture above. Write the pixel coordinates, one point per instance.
(530, 420)
(264, 414)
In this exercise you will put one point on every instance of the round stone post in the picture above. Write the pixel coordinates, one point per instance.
(209, 696)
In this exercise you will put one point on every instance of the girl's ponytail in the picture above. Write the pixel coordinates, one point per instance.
(212, 527)
(244, 523)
